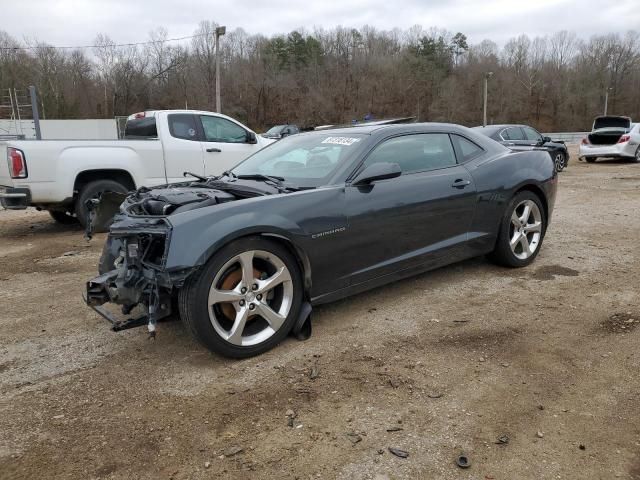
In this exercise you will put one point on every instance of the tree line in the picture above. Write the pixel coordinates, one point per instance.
(328, 76)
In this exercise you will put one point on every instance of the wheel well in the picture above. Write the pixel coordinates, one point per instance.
(120, 176)
(537, 191)
(299, 255)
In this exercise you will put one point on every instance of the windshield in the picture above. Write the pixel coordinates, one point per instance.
(275, 130)
(303, 160)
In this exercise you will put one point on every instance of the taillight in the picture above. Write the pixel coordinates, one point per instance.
(585, 141)
(624, 138)
(17, 163)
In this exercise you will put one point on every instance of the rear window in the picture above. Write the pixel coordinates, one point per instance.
(467, 148)
(183, 125)
(141, 128)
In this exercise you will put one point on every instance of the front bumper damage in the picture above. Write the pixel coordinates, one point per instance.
(129, 288)
(132, 274)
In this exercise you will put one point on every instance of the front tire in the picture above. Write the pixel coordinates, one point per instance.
(245, 299)
(94, 190)
(560, 161)
(521, 231)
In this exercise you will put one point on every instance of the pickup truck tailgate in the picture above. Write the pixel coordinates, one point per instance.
(5, 179)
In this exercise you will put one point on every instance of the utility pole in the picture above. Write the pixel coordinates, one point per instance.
(606, 99)
(34, 110)
(484, 109)
(219, 32)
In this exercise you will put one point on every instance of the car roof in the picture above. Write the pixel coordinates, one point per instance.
(500, 126)
(392, 128)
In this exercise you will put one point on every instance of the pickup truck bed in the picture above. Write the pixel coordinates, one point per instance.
(61, 175)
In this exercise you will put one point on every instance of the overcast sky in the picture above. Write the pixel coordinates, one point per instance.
(76, 22)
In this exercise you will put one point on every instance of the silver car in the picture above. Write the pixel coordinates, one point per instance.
(612, 137)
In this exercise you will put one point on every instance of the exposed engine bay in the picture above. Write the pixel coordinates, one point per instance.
(131, 265)
(167, 201)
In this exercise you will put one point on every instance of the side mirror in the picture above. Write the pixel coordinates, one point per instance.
(284, 134)
(251, 138)
(378, 171)
(546, 139)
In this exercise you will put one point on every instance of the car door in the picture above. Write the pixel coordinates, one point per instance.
(225, 144)
(420, 218)
(182, 147)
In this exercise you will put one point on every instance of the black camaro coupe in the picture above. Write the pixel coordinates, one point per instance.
(524, 137)
(316, 217)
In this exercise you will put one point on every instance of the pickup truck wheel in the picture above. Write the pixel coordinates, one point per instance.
(245, 299)
(63, 218)
(521, 231)
(94, 190)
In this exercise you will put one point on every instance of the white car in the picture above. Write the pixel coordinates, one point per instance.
(159, 147)
(612, 137)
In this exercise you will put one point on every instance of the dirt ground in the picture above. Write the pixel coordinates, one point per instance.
(544, 358)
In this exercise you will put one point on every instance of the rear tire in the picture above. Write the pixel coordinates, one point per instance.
(636, 158)
(521, 231)
(63, 218)
(590, 159)
(236, 323)
(94, 190)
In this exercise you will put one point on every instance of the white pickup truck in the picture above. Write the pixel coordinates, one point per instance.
(159, 146)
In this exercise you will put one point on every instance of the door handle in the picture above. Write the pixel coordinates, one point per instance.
(213, 149)
(460, 183)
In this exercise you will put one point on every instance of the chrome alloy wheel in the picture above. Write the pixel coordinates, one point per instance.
(250, 298)
(559, 162)
(525, 230)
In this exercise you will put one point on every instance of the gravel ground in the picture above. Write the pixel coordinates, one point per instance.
(531, 373)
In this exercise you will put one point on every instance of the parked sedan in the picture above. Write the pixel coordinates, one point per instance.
(314, 218)
(524, 137)
(612, 137)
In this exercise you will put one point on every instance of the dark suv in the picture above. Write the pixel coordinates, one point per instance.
(524, 137)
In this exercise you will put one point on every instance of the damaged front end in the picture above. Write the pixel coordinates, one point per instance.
(132, 274)
(132, 267)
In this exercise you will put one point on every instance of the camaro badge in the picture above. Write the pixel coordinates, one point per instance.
(328, 232)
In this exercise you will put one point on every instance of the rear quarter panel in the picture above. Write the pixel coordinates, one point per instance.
(497, 180)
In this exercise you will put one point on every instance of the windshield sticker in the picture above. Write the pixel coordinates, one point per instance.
(347, 141)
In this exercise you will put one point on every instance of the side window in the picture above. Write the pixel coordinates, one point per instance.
(513, 133)
(182, 125)
(531, 134)
(415, 153)
(218, 129)
(467, 148)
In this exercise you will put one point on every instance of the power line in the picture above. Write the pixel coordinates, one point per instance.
(78, 47)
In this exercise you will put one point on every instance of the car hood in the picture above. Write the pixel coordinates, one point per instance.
(171, 199)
